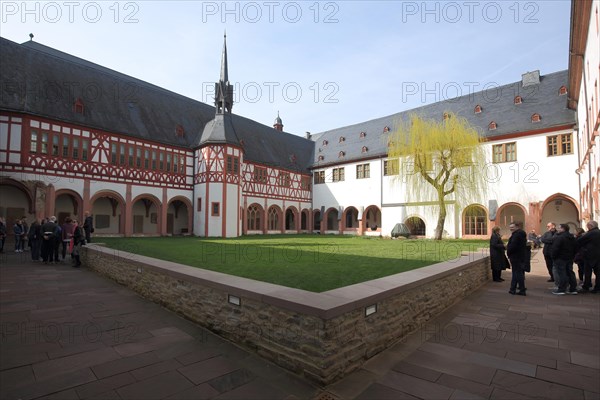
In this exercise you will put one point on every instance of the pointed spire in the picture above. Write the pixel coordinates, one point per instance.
(224, 73)
(223, 90)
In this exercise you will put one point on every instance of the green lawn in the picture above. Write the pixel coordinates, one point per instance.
(310, 262)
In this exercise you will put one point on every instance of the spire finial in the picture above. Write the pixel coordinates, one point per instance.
(31, 37)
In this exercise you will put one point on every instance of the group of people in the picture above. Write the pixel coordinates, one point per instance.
(561, 250)
(45, 236)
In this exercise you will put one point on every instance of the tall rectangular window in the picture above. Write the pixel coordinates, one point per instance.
(121, 154)
(75, 148)
(391, 167)
(146, 159)
(55, 141)
(153, 159)
(44, 142)
(175, 163)
(85, 143)
(138, 157)
(215, 209)
(168, 162)
(161, 161)
(65, 147)
(233, 165)
(260, 174)
(130, 158)
(505, 152)
(319, 177)
(34, 141)
(113, 153)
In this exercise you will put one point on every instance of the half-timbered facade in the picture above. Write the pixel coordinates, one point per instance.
(79, 137)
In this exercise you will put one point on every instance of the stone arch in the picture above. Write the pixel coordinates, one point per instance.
(416, 225)
(146, 214)
(350, 219)
(317, 218)
(304, 219)
(108, 209)
(17, 200)
(474, 221)
(179, 216)
(372, 218)
(274, 219)
(291, 219)
(255, 217)
(560, 209)
(331, 219)
(67, 203)
(510, 212)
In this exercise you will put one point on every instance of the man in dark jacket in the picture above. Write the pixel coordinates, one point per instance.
(48, 239)
(516, 250)
(590, 244)
(547, 238)
(563, 254)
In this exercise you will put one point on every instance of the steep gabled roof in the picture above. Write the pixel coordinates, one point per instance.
(45, 82)
(497, 105)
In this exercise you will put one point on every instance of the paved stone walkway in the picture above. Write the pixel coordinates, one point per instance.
(70, 334)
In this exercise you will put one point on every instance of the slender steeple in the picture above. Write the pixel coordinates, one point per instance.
(223, 90)
(278, 125)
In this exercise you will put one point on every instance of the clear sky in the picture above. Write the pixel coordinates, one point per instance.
(322, 65)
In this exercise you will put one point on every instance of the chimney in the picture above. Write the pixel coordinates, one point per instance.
(531, 78)
(308, 135)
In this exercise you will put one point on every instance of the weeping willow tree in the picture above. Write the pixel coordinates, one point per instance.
(440, 161)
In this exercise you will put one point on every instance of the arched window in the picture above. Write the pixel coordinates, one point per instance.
(536, 117)
(254, 218)
(475, 221)
(274, 223)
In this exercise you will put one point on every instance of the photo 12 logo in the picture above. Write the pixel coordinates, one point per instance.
(469, 11)
(70, 11)
(272, 92)
(252, 12)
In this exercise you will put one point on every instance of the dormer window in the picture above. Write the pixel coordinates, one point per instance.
(562, 90)
(179, 131)
(477, 109)
(321, 158)
(386, 129)
(325, 143)
(518, 99)
(78, 106)
(364, 149)
(342, 139)
(536, 117)
(341, 154)
(363, 135)
(492, 126)
(446, 116)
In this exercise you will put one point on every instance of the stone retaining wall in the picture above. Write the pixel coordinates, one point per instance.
(322, 336)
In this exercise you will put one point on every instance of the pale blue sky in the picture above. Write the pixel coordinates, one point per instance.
(322, 65)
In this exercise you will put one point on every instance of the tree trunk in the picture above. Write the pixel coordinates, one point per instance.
(439, 229)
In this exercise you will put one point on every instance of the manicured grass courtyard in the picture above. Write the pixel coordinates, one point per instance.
(311, 262)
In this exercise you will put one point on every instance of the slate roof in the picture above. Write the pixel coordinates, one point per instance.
(45, 82)
(497, 105)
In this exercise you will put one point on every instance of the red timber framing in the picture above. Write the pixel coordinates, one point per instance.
(60, 149)
(275, 183)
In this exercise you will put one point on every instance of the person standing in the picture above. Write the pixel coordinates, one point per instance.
(2, 234)
(497, 255)
(579, 256)
(19, 232)
(24, 241)
(48, 239)
(516, 249)
(563, 253)
(78, 239)
(34, 237)
(67, 237)
(88, 227)
(590, 243)
(547, 239)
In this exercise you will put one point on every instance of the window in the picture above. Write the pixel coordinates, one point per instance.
(325, 143)
(321, 158)
(386, 129)
(338, 174)
(179, 131)
(130, 158)
(121, 154)
(260, 174)
(536, 117)
(254, 218)
(153, 159)
(477, 109)
(44, 142)
(363, 171)
(55, 139)
(341, 154)
(161, 161)
(78, 106)
(233, 165)
(284, 179)
(305, 183)
(504, 152)
(562, 90)
(492, 126)
(215, 209)
(113, 153)
(364, 149)
(363, 135)
(518, 99)
(342, 139)
(175, 163)
(319, 177)
(75, 148)
(34, 141)
(560, 144)
(199, 204)
(390, 167)
(138, 157)
(146, 159)
(475, 221)
(169, 162)
(85, 143)
(65, 146)
(273, 221)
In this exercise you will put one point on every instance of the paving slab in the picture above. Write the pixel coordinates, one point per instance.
(70, 333)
